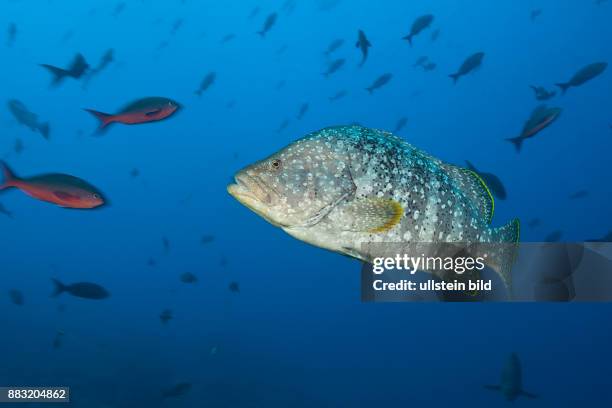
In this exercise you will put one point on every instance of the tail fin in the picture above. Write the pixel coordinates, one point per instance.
(198, 92)
(59, 288)
(370, 90)
(501, 253)
(564, 87)
(455, 77)
(408, 38)
(43, 128)
(517, 142)
(105, 118)
(262, 34)
(9, 176)
(58, 73)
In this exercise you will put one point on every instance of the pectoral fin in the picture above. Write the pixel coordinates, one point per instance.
(375, 215)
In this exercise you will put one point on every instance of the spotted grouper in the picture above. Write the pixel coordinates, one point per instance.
(342, 187)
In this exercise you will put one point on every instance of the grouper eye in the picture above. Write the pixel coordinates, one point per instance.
(276, 164)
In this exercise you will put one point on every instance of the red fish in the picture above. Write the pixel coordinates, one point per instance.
(59, 189)
(143, 110)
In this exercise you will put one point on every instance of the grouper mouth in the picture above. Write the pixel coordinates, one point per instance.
(254, 194)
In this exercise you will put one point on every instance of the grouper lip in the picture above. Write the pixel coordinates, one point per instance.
(246, 190)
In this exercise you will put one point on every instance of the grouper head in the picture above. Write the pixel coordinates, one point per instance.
(297, 186)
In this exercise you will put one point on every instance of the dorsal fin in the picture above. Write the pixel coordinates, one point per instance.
(474, 187)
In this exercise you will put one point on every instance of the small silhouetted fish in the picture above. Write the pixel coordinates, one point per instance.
(338, 95)
(535, 14)
(151, 262)
(77, 68)
(579, 194)
(554, 236)
(540, 118)
(27, 118)
(57, 340)
(541, 93)
(207, 239)
(303, 110)
(176, 26)
(281, 50)
(5, 211)
(493, 182)
(511, 384)
(234, 287)
(105, 61)
(584, 75)
(227, 38)
(135, 172)
(421, 61)
(430, 66)
(333, 46)
(534, 222)
(165, 316)
(254, 12)
(379, 82)
(435, 34)
(268, 24)
(400, 124)
(208, 80)
(85, 290)
(67, 36)
(419, 25)
(11, 34)
(230, 104)
(470, 64)
(363, 44)
(605, 238)
(16, 297)
(333, 67)
(118, 9)
(177, 390)
(145, 110)
(18, 146)
(188, 277)
(166, 244)
(288, 6)
(282, 126)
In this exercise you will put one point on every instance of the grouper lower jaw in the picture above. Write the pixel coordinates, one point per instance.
(245, 197)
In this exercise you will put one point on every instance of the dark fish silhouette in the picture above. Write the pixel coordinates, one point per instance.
(227, 38)
(281, 50)
(579, 194)
(16, 297)
(379, 82)
(165, 316)
(541, 93)
(60, 189)
(584, 75)
(118, 9)
(166, 244)
(177, 390)
(535, 14)
(85, 290)
(234, 287)
(419, 25)
(333, 46)
(188, 277)
(430, 66)
(554, 236)
(268, 24)
(151, 262)
(105, 61)
(470, 64)
(493, 182)
(135, 172)
(435, 34)
(255, 11)
(145, 110)
(511, 384)
(207, 239)
(540, 118)
(206, 83)
(27, 118)
(176, 26)
(400, 124)
(58, 339)
(4, 211)
(288, 6)
(76, 70)
(421, 61)
(282, 126)
(534, 222)
(363, 44)
(338, 95)
(303, 110)
(334, 66)
(11, 34)
(18, 146)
